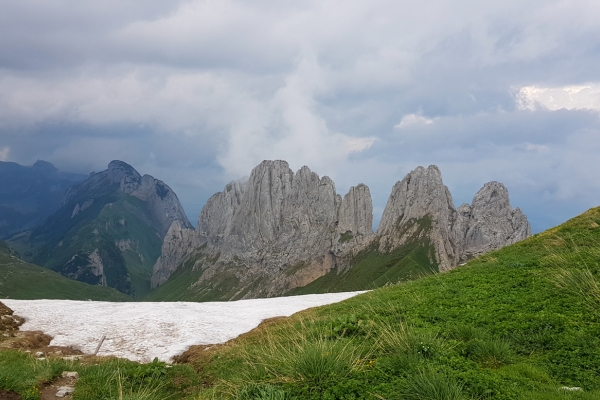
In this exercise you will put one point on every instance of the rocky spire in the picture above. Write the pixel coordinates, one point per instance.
(489, 223)
(420, 204)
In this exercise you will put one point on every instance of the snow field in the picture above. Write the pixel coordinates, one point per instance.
(143, 331)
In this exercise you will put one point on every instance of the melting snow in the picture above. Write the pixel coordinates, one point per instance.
(142, 331)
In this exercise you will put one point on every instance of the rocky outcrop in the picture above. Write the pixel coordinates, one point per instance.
(275, 221)
(9, 322)
(178, 242)
(489, 223)
(356, 211)
(280, 230)
(420, 204)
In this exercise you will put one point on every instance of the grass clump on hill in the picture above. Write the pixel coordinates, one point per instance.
(518, 323)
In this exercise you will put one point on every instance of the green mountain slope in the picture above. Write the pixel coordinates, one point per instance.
(519, 323)
(108, 231)
(21, 280)
(64, 244)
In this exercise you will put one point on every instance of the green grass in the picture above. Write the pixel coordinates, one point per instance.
(21, 280)
(501, 327)
(103, 379)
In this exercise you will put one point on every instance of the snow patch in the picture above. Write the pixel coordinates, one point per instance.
(143, 331)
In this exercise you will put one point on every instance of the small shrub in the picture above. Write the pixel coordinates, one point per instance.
(429, 384)
(347, 325)
(149, 372)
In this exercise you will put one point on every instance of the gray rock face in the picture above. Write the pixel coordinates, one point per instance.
(275, 221)
(178, 242)
(279, 229)
(420, 198)
(356, 211)
(489, 223)
(457, 235)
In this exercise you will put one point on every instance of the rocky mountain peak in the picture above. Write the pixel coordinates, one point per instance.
(125, 175)
(493, 195)
(489, 223)
(356, 211)
(420, 193)
(276, 220)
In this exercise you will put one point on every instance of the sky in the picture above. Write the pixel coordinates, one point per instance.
(197, 93)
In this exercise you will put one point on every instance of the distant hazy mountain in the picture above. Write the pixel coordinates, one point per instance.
(28, 195)
(108, 230)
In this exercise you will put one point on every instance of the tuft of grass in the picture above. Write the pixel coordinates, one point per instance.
(305, 357)
(429, 384)
(467, 333)
(491, 353)
(580, 282)
(399, 339)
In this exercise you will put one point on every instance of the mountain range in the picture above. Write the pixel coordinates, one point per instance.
(282, 233)
(278, 232)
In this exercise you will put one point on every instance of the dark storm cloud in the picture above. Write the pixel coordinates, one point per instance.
(198, 92)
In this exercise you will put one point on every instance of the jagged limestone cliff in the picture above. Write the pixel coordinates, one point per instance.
(489, 223)
(284, 232)
(281, 228)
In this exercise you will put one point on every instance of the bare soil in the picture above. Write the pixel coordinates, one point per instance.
(7, 395)
(48, 390)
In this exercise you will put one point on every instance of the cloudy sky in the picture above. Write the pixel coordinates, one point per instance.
(197, 93)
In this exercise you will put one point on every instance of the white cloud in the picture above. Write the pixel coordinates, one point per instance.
(4, 153)
(531, 147)
(562, 97)
(411, 120)
(288, 126)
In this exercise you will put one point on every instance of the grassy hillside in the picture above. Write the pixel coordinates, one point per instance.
(118, 226)
(21, 280)
(519, 323)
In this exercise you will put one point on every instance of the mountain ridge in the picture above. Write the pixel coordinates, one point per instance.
(280, 231)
